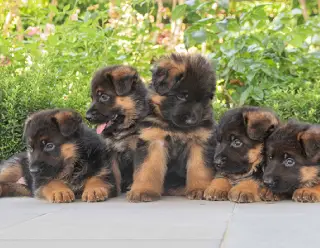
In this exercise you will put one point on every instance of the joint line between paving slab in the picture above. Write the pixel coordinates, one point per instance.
(221, 245)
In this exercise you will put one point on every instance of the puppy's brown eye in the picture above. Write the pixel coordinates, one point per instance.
(236, 143)
(49, 147)
(104, 98)
(289, 162)
(182, 97)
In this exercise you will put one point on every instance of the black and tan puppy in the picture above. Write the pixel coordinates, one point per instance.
(176, 142)
(293, 162)
(15, 179)
(119, 103)
(65, 160)
(239, 154)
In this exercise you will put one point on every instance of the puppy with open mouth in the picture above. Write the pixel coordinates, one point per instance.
(176, 142)
(119, 103)
(238, 158)
(65, 160)
(293, 162)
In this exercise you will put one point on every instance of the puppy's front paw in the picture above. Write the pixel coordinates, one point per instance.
(239, 195)
(306, 195)
(60, 196)
(218, 190)
(96, 194)
(142, 196)
(267, 195)
(195, 194)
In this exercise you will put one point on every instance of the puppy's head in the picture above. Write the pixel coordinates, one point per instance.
(118, 98)
(183, 87)
(292, 157)
(240, 134)
(51, 139)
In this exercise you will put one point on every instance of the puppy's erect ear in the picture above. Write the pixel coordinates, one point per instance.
(260, 124)
(68, 121)
(159, 80)
(167, 72)
(310, 141)
(122, 78)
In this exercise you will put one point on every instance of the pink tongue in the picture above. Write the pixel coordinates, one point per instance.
(100, 128)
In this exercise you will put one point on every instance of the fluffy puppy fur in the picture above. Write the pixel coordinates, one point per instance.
(119, 103)
(15, 179)
(292, 162)
(65, 160)
(176, 142)
(239, 154)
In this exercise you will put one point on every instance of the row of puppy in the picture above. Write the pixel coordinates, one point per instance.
(163, 141)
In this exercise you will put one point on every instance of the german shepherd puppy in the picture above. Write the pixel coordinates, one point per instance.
(176, 142)
(293, 161)
(239, 154)
(119, 102)
(65, 160)
(15, 179)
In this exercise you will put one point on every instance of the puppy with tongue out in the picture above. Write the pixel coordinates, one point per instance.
(119, 103)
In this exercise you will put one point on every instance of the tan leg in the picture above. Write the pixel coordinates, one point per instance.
(149, 177)
(199, 175)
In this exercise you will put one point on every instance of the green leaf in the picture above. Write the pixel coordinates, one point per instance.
(66, 8)
(193, 17)
(53, 9)
(199, 36)
(250, 75)
(222, 25)
(257, 94)
(179, 11)
(142, 8)
(244, 95)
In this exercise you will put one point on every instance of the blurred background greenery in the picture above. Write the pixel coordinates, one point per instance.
(265, 52)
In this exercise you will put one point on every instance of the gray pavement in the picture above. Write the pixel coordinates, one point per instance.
(170, 222)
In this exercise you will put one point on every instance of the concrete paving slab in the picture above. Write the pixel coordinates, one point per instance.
(170, 218)
(112, 243)
(172, 221)
(281, 224)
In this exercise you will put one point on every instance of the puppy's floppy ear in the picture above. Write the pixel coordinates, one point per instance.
(259, 124)
(123, 84)
(68, 121)
(310, 142)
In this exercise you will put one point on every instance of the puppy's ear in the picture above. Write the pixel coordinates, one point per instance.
(68, 121)
(310, 142)
(259, 124)
(163, 80)
(123, 84)
(159, 80)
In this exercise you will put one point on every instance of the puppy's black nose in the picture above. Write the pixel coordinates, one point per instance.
(220, 162)
(90, 115)
(269, 182)
(191, 119)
